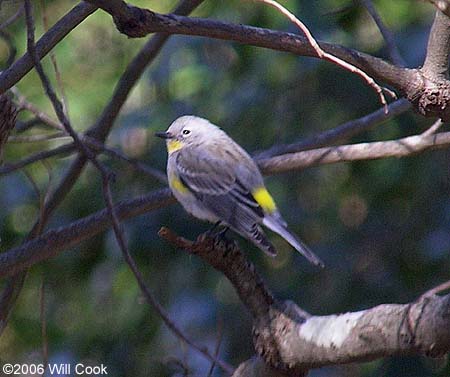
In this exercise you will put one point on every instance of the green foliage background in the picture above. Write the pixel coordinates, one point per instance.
(381, 226)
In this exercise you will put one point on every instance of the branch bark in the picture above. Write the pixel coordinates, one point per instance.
(292, 341)
(429, 95)
(53, 242)
(49, 40)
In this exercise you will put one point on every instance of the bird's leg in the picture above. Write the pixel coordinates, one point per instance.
(222, 233)
(213, 230)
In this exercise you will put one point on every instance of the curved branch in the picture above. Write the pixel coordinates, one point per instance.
(136, 22)
(341, 132)
(293, 341)
(404, 147)
(51, 243)
(50, 39)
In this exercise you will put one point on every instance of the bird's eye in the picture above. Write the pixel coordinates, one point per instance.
(186, 132)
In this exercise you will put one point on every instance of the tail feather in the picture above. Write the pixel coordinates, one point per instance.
(257, 236)
(280, 227)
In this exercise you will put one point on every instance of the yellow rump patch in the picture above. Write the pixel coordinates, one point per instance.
(174, 145)
(264, 199)
(177, 185)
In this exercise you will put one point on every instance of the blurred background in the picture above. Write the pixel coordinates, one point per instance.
(382, 227)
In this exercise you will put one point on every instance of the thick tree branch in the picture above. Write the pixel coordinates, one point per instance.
(294, 341)
(32, 252)
(438, 49)
(137, 22)
(442, 5)
(52, 242)
(429, 95)
(100, 130)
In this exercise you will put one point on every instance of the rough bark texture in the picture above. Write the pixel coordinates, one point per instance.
(8, 115)
(291, 341)
(426, 88)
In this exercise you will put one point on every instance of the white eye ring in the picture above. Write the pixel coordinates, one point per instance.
(186, 132)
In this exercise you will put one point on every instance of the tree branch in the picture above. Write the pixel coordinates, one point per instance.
(52, 242)
(438, 49)
(394, 53)
(136, 22)
(442, 5)
(341, 132)
(8, 114)
(50, 39)
(29, 253)
(404, 147)
(293, 341)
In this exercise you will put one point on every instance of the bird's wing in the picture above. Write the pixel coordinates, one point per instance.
(204, 174)
(217, 184)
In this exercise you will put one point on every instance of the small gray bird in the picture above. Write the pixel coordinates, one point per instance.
(216, 180)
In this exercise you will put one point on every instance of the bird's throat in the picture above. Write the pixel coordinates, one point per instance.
(174, 145)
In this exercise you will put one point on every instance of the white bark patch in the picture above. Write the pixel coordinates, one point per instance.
(329, 331)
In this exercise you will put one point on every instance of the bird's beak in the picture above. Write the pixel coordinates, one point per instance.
(164, 135)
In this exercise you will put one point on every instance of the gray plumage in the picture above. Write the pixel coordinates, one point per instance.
(215, 180)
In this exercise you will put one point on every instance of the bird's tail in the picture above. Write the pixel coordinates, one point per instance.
(279, 226)
(259, 239)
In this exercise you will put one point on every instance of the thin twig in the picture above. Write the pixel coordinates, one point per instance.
(339, 133)
(42, 155)
(434, 127)
(219, 342)
(394, 53)
(136, 164)
(43, 326)
(13, 18)
(321, 54)
(54, 63)
(49, 89)
(24, 104)
(145, 290)
(438, 289)
(37, 138)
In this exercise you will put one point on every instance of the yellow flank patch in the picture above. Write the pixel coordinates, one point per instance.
(174, 145)
(177, 185)
(264, 199)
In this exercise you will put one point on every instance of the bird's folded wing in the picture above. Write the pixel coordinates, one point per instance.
(212, 179)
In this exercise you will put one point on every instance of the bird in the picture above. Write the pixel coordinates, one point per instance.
(216, 180)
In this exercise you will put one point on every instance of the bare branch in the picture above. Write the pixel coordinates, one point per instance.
(52, 242)
(394, 53)
(341, 132)
(442, 5)
(404, 147)
(438, 49)
(50, 39)
(63, 149)
(137, 22)
(294, 341)
(321, 54)
(8, 115)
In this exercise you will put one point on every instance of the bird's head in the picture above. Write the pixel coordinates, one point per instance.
(188, 130)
